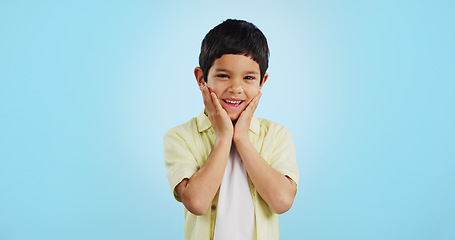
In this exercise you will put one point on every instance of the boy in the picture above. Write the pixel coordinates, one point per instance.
(232, 171)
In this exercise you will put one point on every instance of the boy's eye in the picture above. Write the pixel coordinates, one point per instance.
(222, 76)
(249, 78)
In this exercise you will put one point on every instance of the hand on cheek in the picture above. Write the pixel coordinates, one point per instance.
(219, 118)
(242, 126)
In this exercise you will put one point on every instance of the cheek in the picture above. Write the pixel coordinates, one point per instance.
(216, 88)
(253, 91)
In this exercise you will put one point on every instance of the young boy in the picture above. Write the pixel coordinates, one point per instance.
(233, 172)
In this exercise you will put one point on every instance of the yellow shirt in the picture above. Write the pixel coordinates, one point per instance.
(187, 146)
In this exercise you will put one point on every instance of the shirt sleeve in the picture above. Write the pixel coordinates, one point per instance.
(178, 158)
(283, 158)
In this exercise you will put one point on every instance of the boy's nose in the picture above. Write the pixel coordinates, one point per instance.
(236, 87)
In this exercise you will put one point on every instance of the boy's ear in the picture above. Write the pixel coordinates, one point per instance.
(199, 76)
(263, 80)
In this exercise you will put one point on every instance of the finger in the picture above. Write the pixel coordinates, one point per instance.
(202, 85)
(207, 100)
(253, 103)
(216, 103)
(204, 96)
(257, 98)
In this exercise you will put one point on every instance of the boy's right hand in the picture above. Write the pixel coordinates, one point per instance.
(219, 118)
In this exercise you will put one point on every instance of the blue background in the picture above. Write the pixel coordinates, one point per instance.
(88, 89)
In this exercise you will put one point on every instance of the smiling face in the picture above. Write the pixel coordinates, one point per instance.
(235, 79)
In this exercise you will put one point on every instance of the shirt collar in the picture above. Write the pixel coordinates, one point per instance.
(203, 123)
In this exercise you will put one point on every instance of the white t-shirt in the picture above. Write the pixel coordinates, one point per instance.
(235, 211)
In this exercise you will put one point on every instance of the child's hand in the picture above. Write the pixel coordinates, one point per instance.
(242, 126)
(219, 118)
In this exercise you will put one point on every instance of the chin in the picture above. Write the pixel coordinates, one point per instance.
(234, 117)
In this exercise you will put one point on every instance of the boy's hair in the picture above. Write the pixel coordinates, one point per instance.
(234, 37)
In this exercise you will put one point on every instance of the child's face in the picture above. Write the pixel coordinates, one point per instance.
(235, 79)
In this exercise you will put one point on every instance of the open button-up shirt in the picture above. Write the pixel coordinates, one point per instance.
(186, 148)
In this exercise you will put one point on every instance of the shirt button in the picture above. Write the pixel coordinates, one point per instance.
(213, 207)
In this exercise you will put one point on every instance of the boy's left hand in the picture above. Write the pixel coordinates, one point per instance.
(242, 127)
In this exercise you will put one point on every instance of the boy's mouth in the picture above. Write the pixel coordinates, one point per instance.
(233, 103)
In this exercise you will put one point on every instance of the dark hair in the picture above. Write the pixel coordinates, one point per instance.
(234, 37)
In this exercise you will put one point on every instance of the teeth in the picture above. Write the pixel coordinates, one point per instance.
(233, 102)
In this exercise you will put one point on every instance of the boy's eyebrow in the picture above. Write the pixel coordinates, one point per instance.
(226, 70)
(221, 70)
